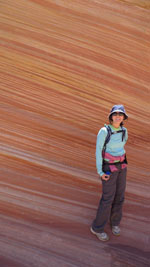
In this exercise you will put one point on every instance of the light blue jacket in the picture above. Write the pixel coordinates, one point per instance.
(115, 147)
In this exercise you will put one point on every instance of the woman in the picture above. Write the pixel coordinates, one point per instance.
(112, 167)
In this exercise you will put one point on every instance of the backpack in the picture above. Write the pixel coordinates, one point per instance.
(109, 133)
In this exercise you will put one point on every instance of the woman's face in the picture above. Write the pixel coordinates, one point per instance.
(117, 117)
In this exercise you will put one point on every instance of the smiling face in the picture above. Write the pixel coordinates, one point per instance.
(117, 118)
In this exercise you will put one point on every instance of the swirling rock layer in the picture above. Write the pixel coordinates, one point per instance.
(63, 65)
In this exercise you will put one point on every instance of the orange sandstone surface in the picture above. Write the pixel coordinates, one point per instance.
(63, 65)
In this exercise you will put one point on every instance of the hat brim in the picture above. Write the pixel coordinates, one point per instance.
(118, 110)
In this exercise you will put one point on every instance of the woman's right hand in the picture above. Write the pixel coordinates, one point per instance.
(105, 177)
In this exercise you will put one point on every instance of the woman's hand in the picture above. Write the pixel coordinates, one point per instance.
(105, 177)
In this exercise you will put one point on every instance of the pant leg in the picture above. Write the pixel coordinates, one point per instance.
(104, 209)
(116, 210)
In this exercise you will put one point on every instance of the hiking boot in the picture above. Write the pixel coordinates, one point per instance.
(101, 236)
(116, 230)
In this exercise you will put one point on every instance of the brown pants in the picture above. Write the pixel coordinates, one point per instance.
(110, 205)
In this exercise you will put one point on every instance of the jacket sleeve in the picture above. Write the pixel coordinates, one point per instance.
(99, 147)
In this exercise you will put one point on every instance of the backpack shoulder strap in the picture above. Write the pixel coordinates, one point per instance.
(123, 132)
(109, 133)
